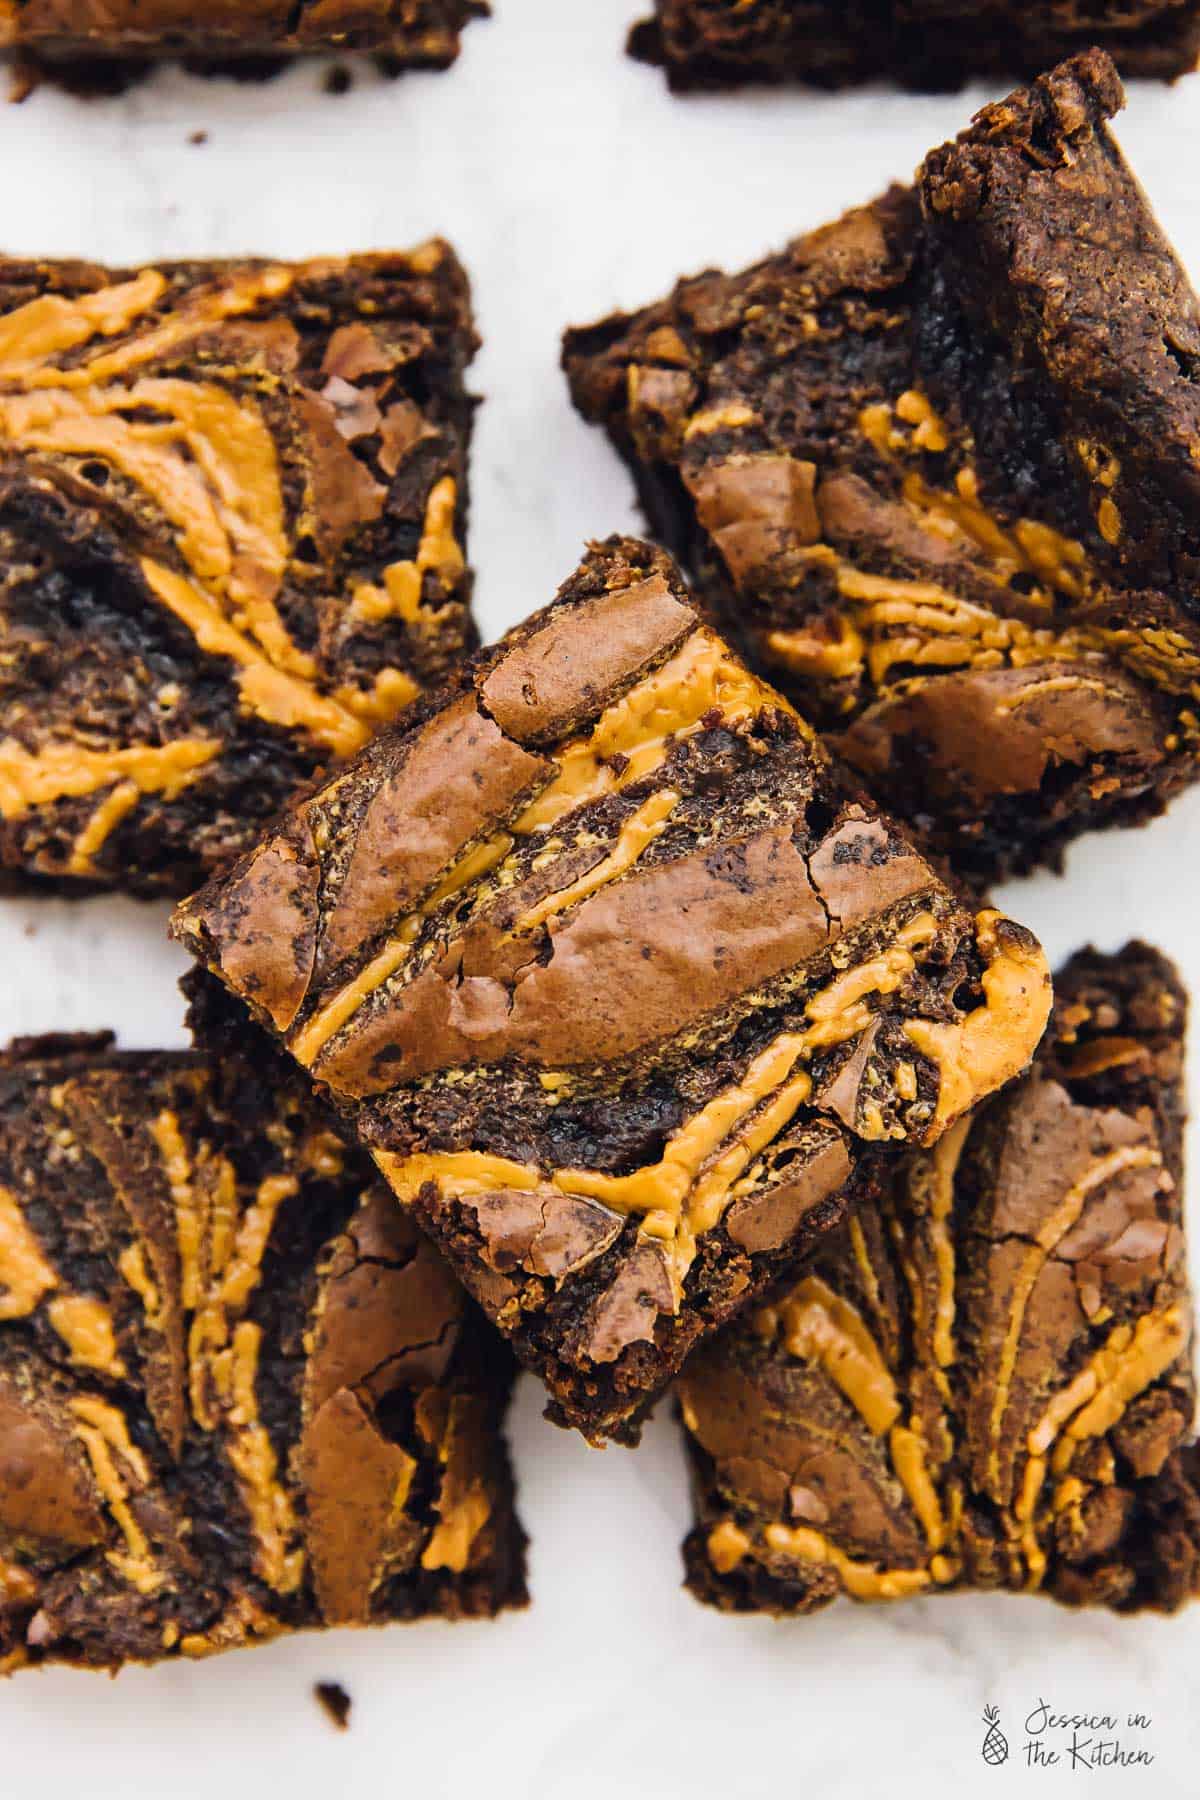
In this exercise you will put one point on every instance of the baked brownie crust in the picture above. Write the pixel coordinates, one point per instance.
(988, 1383)
(621, 985)
(232, 503)
(239, 1393)
(923, 44)
(410, 33)
(934, 462)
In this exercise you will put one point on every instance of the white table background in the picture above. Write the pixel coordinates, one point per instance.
(570, 182)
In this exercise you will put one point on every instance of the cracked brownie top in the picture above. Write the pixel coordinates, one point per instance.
(617, 980)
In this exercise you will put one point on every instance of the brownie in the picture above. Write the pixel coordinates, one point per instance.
(934, 464)
(232, 504)
(988, 1382)
(408, 33)
(623, 987)
(922, 44)
(240, 1394)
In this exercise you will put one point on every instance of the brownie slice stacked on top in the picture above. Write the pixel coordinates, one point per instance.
(239, 1393)
(622, 986)
(988, 1381)
(935, 465)
(919, 43)
(408, 33)
(232, 498)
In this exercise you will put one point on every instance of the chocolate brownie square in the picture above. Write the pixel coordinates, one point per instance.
(923, 44)
(988, 1382)
(935, 465)
(408, 33)
(622, 986)
(232, 503)
(240, 1394)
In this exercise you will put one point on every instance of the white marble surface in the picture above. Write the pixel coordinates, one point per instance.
(569, 182)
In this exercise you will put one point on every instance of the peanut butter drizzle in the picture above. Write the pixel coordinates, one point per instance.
(819, 1326)
(677, 1206)
(67, 772)
(47, 327)
(25, 1275)
(189, 1227)
(223, 1353)
(975, 1056)
(119, 1469)
(273, 693)
(117, 805)
(132, 1266)
(438, 552)
(85, 1326)
(862, 1580)
(635, 836)
(479, 860)
(1049, 1235)
(942, 1167)
(728, 1544)
(462, 1515)
(1123, 1367)
(637, 731)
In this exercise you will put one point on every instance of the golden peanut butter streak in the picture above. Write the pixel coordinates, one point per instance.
(221, 1251)
(629, 741)
(1050, 1234)
(438, 552)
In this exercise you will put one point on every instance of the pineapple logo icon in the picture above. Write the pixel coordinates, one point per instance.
(995, 1744)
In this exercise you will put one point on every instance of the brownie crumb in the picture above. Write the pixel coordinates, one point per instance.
(338, 80)
(197, 137)
(335, 1702)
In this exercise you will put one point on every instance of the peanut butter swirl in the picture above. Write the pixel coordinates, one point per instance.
(936, 468)
(613, 875)
(989, 1382)
(231, 498)
(205, 1330)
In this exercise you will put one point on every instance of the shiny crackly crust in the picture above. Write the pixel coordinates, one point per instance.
(411, 33)
(924, 44)
(620, 984)
(934, 462)
(989, 1382)
(232, 503)
(239, 1392)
